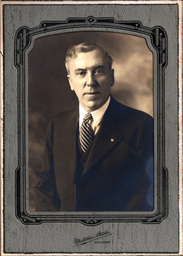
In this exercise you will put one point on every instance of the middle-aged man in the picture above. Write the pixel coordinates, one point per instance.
(99, 156)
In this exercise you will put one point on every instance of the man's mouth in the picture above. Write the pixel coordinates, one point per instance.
(91, 93)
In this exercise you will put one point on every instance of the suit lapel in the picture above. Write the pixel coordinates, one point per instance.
(108, 136)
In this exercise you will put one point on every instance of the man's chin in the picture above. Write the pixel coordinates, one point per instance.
(92, 106)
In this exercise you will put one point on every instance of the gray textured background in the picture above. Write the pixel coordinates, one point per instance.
(58, 237)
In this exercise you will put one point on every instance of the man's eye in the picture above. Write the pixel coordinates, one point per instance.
(98, 71)
(81, 73)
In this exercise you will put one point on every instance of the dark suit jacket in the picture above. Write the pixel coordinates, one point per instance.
(118, 174)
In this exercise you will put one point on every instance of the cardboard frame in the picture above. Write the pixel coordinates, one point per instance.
(6, 229)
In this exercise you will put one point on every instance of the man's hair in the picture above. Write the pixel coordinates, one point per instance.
(73, 51)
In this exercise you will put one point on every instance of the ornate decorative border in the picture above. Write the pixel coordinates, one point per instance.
(158, 39)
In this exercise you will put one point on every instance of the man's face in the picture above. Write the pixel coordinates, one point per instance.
(91, 78)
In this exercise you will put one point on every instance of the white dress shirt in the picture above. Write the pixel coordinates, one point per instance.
(97, 115)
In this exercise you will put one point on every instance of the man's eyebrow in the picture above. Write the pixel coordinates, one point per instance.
(80, 69)
(84, 69)
(99, 66)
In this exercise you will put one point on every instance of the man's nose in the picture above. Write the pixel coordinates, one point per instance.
(90, 81)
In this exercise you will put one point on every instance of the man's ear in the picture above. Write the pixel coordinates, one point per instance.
(70, 82)
(112, 77)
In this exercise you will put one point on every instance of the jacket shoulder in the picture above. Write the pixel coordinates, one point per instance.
(129, 112)
(63, 115)
(60, 121)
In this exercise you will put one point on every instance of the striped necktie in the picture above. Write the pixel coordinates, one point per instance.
(86, 132)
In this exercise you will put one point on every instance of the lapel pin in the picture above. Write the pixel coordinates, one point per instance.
(112, 140)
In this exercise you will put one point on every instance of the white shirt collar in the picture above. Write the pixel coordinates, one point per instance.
(97, 114)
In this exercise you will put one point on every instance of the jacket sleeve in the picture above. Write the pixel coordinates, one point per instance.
(45, 188)
(143, 199)
(146, 162)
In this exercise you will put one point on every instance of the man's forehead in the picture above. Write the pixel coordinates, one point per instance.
(92, 53)
(94, 57)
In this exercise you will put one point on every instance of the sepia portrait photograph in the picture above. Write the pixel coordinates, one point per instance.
(91, 126)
